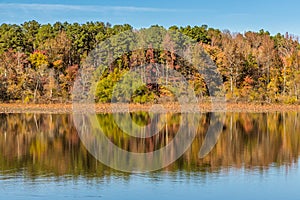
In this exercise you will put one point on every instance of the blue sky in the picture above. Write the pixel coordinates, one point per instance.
(272, 15)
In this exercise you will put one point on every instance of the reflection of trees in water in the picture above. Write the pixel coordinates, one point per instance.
(44, 143)
(165, 134)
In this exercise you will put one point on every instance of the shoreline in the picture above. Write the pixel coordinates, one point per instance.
(163, 108)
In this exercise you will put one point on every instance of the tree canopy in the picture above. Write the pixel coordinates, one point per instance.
(39, 62)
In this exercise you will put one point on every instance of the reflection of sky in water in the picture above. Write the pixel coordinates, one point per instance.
(274, 183)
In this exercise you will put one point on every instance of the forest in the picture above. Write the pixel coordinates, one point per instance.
(40, 62)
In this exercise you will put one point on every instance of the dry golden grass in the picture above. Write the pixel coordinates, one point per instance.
(169, 107)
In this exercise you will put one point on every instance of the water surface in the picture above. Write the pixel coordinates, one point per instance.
(256, 156)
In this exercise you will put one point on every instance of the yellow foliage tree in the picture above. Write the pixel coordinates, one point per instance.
(38, 60)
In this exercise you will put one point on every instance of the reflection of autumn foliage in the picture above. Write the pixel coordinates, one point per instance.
(253, 140)
(140, 145)
(41, 143)
(45, 143)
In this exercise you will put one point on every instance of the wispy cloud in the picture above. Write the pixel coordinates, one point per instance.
(86, 8)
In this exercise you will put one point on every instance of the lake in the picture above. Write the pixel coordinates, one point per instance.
(255, 156)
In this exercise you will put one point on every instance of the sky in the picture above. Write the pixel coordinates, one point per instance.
(237, 16)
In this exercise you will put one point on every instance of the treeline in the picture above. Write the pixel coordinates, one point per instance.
(39, 63)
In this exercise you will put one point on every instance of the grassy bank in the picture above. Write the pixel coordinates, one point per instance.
(170, 107)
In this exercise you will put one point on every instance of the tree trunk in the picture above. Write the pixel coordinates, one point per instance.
(35, 91)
